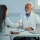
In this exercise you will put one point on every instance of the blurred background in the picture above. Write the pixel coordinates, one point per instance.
(17, 7)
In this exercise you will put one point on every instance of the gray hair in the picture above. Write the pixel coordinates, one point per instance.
(29, 3)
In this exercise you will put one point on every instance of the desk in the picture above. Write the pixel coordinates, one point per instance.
(23, 34)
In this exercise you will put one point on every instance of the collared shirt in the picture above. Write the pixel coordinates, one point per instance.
(27, 16)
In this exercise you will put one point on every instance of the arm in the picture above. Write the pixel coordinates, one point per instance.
(37, 19)
(19, 23)
(8, 22)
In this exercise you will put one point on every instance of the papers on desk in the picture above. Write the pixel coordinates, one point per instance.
(17, 30)
(32, 31)
(20, 30)
(25, 33)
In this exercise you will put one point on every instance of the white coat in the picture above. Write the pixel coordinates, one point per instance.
(31, 22)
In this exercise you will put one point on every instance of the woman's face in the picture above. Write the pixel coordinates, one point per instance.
(6, 13)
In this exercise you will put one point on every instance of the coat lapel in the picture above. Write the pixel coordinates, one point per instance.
(30, 18)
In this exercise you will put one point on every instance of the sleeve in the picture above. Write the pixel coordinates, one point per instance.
(16, 24)
(20, 20)
(37, 19)
(8, 22)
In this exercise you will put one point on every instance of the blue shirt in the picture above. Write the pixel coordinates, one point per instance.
(27, 17)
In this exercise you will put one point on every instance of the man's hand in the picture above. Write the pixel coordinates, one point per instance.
(19, 24)
(29, 28)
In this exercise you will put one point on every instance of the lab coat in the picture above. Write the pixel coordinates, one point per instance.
(31, 22)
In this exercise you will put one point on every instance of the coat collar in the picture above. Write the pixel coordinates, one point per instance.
(31, 15)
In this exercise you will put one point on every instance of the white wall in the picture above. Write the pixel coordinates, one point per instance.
(35, 4)
(14, 6)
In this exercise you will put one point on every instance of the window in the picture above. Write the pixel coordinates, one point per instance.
(38, 2)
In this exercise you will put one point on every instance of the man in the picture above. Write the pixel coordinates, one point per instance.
(29, 19)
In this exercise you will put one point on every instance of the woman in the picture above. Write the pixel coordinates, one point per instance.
(4, 21)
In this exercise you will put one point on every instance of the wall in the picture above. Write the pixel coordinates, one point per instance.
(16, 7)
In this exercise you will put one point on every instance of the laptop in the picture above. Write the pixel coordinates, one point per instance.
(37, 31)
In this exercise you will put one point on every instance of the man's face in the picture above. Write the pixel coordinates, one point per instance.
(28, 7)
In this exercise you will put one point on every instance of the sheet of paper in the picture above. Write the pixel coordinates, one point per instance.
(17, 30)
(25, 33)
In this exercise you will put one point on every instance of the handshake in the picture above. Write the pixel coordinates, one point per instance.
(19, 24)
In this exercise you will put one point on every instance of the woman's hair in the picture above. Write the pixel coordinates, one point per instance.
(3, 9)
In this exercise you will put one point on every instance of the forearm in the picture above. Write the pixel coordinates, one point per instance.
(18, 25)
